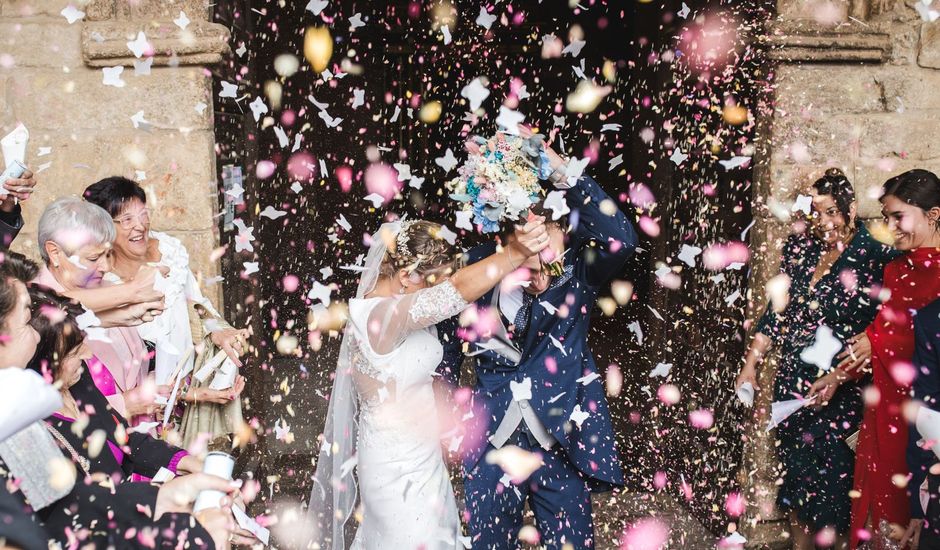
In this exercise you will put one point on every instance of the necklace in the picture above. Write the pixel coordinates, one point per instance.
(79, 459)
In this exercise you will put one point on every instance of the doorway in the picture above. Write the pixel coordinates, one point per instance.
(685, 76)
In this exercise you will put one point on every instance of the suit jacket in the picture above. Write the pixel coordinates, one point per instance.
(926, 388)
(567, 395)
(10, 225)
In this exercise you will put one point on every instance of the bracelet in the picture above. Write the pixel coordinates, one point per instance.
(512, 264)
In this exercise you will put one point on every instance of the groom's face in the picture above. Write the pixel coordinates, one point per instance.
(539, 278)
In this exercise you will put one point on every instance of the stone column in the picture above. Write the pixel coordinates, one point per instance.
(156, 127)
(859, 94)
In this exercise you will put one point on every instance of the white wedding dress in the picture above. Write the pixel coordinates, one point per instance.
(404, 487)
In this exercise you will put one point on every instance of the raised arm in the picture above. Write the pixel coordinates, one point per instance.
(603, 235)
(395, 317)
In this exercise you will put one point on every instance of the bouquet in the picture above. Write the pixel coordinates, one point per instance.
(499, 181)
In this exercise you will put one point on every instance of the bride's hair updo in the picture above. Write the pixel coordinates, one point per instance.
(419, 248)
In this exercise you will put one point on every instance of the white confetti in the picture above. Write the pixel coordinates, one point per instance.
(688, 253)
(448, 235)
(272, 213)
(137, 119)
(72, 14)
(734, 162)
(142, 66)
(375, 199)
(578, 416)
(476, 92)
(485, 19)
(282, 139)
(445, 30)
(661, 370)
(250, 267)
(684, 12)
(574, 48)
(112, 76)
(258, 108)
(317, 6)
(614, 162)
(555, 201)
(355, 22)
(464, 220)
(320, 292)
(343, 222)
(678, 157)
(182, 21)
(228, 89)
(139, 46)
(585, 380)
(803, 203)
(447, 162)
(43, 151)
(359, 98)
(823, 349)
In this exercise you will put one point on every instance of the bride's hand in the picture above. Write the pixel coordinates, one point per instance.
(531, 238)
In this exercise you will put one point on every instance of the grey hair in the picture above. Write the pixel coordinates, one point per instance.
(69, 215)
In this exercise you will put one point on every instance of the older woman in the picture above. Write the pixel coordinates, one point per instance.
(75, 510)
(217, 412)
(75, 237)
(831, 270)
(62, 353)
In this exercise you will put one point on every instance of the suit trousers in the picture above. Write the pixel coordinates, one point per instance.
(557, 493)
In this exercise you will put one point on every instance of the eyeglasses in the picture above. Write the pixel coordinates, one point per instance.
(127, 220)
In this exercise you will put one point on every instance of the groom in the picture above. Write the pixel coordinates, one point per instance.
(537, 386)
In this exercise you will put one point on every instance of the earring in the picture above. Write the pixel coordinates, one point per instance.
(401, 290)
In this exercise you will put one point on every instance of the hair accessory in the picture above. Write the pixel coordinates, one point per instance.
(401, 243)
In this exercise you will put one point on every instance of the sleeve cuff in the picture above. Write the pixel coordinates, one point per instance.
(175, 461)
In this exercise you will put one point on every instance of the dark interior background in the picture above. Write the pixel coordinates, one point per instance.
(669, 91)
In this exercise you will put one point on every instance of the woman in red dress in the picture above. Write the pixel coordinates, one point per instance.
(880, 509)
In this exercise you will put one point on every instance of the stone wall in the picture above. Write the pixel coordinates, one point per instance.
(859, 90)
(52, 80)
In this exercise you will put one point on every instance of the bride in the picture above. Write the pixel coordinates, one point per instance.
(382, 419)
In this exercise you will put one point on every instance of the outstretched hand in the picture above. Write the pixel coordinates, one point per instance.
(857, 353)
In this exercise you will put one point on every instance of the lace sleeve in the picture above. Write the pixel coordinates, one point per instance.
(394, 318)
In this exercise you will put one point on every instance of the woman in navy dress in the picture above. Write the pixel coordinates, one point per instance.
(834, 270)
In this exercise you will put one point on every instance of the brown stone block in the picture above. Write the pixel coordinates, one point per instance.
(42, 44)
(104, 44)
(180, 172)
(828, 139)
(870, 178)
(910, 89)
(79, 100)
(929, 53)
(912, 136)
(34, 8)
(828, 89)
(163, 9)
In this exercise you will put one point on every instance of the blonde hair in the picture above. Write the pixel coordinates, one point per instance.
(419, 248)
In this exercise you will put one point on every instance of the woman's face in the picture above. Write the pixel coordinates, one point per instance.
(85, 268)
(18, 339)
(829, 224)
(133, 229)
(910, 226)
(70, 368)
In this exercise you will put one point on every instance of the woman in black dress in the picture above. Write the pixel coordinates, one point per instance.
(831, 268)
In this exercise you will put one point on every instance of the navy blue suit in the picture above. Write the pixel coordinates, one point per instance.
(926, 388)
(585, 457)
